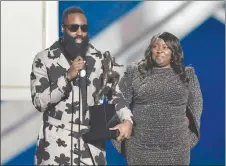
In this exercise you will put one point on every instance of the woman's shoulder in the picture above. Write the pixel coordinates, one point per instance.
(131, 69)
(132, 66)
(190, 70)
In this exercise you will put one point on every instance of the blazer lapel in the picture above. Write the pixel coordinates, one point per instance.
(62, 61)
(56, 53)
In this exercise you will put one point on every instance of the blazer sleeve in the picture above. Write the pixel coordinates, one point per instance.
(43, 93)
(194, 105)
(124, 95)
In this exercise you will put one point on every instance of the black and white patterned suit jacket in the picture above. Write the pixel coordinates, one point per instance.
(52, 95)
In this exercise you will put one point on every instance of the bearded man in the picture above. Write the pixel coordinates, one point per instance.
(64, 78)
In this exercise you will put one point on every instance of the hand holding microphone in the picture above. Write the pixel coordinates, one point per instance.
(76, 67)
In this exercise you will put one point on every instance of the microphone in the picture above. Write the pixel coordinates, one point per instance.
(82, 72)
(79, 58)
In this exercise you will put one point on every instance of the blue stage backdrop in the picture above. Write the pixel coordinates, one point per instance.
(203, 49)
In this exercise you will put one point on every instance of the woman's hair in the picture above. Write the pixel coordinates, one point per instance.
(177, 59)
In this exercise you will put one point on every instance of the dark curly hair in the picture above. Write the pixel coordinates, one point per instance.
(177, 58)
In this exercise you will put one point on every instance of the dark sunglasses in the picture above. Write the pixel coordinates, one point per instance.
(74, 27)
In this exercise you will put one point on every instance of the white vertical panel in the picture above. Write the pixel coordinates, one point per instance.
(23, 36)
(52, 22)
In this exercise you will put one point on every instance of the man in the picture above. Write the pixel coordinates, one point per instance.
(63, 79)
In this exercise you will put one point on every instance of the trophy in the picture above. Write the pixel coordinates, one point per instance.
(103, 115)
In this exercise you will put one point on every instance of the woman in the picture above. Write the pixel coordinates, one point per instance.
(167, 104)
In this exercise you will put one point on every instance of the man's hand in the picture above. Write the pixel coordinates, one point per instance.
(125, 130)
(77, 65)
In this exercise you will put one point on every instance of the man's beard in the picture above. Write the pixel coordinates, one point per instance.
(75, 49)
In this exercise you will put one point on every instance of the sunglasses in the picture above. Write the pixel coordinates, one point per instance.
(74, 27)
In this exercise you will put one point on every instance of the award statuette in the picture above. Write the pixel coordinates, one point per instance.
(102, 115)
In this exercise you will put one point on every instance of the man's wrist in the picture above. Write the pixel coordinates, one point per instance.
(67, 78)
